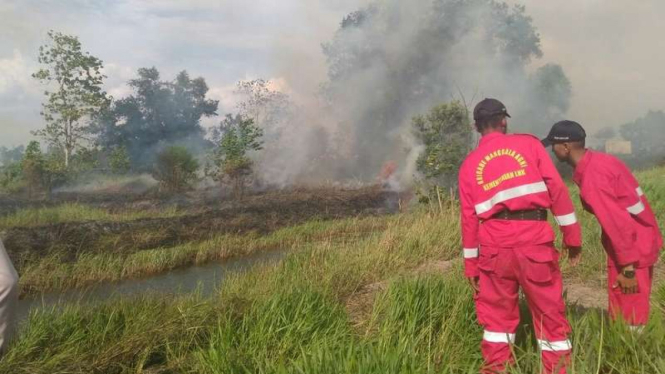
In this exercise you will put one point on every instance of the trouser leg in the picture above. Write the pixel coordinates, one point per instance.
(8, 297)
(541, 282)
(498, 312)
(633, 308)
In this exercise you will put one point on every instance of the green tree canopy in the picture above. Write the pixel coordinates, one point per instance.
(74, 92)
(445, 132)
(235, 137)
(159, 113)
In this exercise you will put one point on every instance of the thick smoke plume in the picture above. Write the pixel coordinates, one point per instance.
(392, 60)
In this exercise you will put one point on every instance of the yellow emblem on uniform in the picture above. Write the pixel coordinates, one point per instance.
(480, 179)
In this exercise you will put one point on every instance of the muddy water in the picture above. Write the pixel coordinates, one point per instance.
(205, 279)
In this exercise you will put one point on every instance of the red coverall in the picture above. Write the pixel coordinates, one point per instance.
(630, 232)
(514, 172)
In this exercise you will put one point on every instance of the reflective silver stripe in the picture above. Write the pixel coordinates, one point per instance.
(470, 252)
(636, 328)
(498, 337)
(511, 193)
(563, 345)
(636, 209)
(566, 220)
(640, 193)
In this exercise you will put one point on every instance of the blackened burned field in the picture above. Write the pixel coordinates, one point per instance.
(260, 213)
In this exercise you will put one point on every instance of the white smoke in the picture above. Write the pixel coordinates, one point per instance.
(364, 121)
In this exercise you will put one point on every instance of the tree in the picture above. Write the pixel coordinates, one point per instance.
(283, 124)
(548, 99)
(9, 156)
(265, 106)
(235, 137)
(33, 166)
(11, 177)
(10, 168)
(158, 114)
(75, 92)
(606, 133)
(175, 169)
(445, 132)
(119, 160)
(603, 135)
(56, 173)
(647, 136)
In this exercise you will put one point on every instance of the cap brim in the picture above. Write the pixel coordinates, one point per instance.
(546, 142)
(508, 115)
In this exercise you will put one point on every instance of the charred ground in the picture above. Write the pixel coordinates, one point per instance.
(203, 216)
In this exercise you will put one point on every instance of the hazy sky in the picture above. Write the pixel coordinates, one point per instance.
(610, 49)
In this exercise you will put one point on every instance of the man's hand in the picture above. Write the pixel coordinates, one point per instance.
(574, 255)
(475, 284)
(627, 285)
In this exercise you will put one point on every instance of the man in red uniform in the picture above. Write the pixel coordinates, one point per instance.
(631, 236)
(506, 186)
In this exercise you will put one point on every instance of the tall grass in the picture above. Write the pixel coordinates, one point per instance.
(292, 317)
(76, 212)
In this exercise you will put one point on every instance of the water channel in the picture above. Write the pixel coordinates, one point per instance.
(205, 278)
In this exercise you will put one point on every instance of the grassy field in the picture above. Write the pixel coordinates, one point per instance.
(54, 273)
(350, 297)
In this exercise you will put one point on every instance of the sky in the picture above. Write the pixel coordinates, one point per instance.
(610, 49)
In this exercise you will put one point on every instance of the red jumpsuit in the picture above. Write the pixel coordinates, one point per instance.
(514, 172)
(630, 232)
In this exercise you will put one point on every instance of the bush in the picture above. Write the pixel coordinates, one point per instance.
(236, 137)
(175, 169)
(119, 161)
(11, 177)
(445, 132)
(33, 166)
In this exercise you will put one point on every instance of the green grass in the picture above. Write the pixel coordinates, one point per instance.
(123, 337)
(293, 317)
(75, 212)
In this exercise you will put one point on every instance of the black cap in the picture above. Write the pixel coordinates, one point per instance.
(564, 131)
(488, 108)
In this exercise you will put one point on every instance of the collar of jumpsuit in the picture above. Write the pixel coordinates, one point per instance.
(581, 167)
(486, 138)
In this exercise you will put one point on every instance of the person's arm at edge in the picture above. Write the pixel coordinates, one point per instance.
(470, 223)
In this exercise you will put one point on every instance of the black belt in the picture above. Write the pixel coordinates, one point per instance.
(522, 215)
